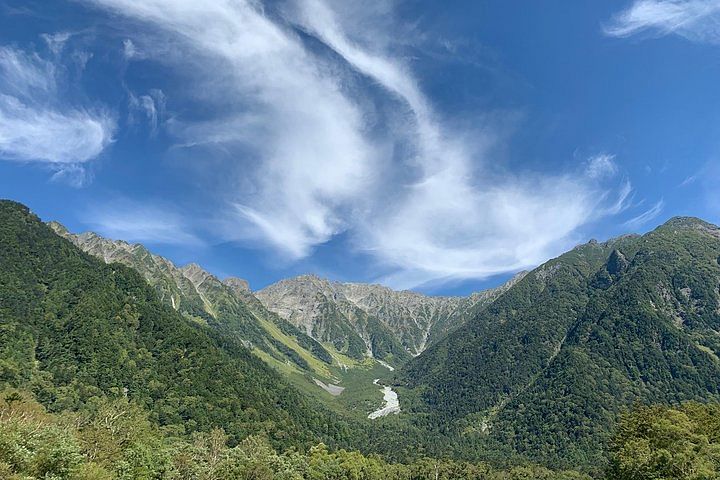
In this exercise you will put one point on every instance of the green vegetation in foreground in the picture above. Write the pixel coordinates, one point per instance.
(114, 439)
(667, 443)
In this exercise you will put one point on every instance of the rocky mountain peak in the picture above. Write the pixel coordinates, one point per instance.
(237, 284)
(197, 275)
(311, 303)
(58, 228)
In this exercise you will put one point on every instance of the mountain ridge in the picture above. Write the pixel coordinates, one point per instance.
(200, 295)
(547, 367)
(539, 371)
(416, 319)
(358, 319)
(77, 330)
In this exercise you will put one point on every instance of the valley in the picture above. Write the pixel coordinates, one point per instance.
(537, 371)
(359, 240)
(332, 340)
(391, 404)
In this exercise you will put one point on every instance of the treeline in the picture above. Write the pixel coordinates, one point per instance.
(114, 439)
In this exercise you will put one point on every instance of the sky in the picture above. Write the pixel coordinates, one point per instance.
(434, 146)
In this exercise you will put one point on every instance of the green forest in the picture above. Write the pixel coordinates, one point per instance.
(112, 438)
(545, 370)
(602, 363)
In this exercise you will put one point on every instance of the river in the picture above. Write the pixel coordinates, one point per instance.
(392, 403)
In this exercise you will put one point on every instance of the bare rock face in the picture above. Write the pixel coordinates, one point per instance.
(299, 300)
(417, 319)
(237, 284)
(414, 320)
(315, 306)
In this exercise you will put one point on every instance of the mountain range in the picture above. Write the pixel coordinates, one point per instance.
(537, 369)
(315, 326)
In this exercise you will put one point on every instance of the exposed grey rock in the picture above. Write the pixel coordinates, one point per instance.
(416, 320)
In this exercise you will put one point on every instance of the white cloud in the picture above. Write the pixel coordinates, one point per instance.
(646, 216)
(56, 41)
(140, 222)
(424, 199)
(71, 174)
(46, 135)
(307, 136)
(451, 222)
(129, 49)
(696, 20)
(24, 74)
(35, 125)
(689, 180)
(150, 106)
(623, 199)
(602, 166)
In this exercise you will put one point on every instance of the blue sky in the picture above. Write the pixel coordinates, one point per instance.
(439, 146)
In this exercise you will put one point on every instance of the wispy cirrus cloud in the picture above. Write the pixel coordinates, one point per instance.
(455, 219)
(149, 107)
(646, 216)
(319, 127)
(602, 166)
(143, 222)
(36, 125)
(307, 157)
(696, 20)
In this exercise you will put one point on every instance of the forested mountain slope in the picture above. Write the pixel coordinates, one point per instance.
(546, 368)
(355, 319)
(74, 328)
(345, 383)
(228, 305)
(135, 389)
(539, 369)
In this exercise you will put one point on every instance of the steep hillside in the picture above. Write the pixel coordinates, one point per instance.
(547, 367)
(288, 322)
(314, 306)
(75, 328)
(417, 320)
(342, 382)
(227, 305)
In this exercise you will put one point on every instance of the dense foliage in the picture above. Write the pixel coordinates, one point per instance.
(73, 328)
(546, 368)
(113, 439)
(102, 379)
(225, 305)
(664, 443)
